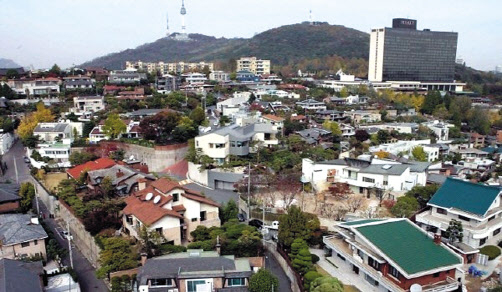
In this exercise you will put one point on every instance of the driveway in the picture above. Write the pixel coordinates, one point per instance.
(273, 266)
(220, 196)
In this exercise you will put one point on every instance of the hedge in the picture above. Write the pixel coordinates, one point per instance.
(491, 251)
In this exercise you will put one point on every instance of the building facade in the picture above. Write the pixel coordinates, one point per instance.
(403, 53)
(254, 65)
(167, 68)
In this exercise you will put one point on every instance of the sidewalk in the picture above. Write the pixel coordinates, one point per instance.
(345, 276)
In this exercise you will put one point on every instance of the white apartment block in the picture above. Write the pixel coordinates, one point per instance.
(219, 76)
(87, 104)
(166, 68)
(254, 65)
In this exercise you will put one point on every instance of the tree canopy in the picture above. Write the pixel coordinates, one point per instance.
(114, 126)
(262, 281)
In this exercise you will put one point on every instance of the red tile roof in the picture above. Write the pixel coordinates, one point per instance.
(100, 163)
(146, 211)
(165, 185)
(298, 117)
(179, 208)
(179, 169)
(192, 195)
(273, 118)
(149, 189)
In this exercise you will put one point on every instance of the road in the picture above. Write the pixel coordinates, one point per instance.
(16, 153)
(273, 266)
(85, 271)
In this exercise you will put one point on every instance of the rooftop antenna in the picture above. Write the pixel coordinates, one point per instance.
(167, 24)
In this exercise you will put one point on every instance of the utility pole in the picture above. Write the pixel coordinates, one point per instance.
(36, 198)
(249, 190)
(69, 242)
(15, 169)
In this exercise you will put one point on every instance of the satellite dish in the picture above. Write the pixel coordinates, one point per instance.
(157, 199)
(416, 288)
(149, 196)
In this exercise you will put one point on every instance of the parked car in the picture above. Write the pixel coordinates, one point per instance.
(26, 159)
(256, 223)
(274, 225)
(66, 235)
(241, 217)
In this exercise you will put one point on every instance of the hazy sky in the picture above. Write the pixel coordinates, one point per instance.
(44, 32)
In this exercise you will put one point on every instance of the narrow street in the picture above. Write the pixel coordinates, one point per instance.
(85, 271)
(273, 266)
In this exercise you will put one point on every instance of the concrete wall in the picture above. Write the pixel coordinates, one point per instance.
(157, 158)
(209, 177)
(44, 196)
(82, 239)
(272, 248)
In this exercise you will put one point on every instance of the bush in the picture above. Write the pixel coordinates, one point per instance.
(169, 248)
(315, 258)
(491, 251)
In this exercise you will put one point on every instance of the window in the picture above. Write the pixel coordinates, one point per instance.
(394, 272)
(35, 242)
(129, 220)
(192, 285)
(496, 231)
(367, 179)
(464, 218)
(236, 282)
(491, 218)
(340, 256)
(203, 216)
(158, 230)
(441, 211)
(385, 183)
(482, 241)
(176, 197)
(25, 244)
(194, 219)
(435, 275)
(370, 280)
(374, 264)
(161, 282)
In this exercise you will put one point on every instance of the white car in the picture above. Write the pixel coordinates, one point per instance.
(66, 235)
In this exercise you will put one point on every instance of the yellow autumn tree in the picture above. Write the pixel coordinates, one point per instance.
(30, 122)
(382, 154)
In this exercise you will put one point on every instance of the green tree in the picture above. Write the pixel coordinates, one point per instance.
(297, 245)
(228, 211)
(423, 194)
(419, 153)
(200, 233)
(459, 107)
(326, 284)
(479, 120)
(432, 100)
(405, 207)
(107, 187)
(383, 136)
(116, 255)
(27, 194)
(296, 224)
(441, 112)
(455, 231)
(77, 158)
(344, 92)
(55, 70)
(333, 127)
(303, 261)
(150, 240)
(262, 281)
(114, 126)
(11, 74)
(198, 115)
(309, 277)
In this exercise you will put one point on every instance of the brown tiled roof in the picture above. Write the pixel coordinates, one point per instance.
(146, 211)
(273, 118)
(192, 195)
(298, 117)
(149, 189)
(100, 163)
(179, 208)
(165, 185)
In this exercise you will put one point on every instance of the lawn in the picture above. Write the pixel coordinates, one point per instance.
(346, 288)
(52, 180)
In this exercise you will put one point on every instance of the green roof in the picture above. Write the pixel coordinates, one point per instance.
(465, 196)
(410, 248)
(357, 222)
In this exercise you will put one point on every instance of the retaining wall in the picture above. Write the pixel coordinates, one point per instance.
(157, 158)
(272, 248)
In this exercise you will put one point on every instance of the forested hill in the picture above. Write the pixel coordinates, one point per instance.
(285, 45)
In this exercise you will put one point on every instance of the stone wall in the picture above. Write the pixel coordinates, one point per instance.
(43, 195)
(82, 239)
(272, 248)
(157, 158)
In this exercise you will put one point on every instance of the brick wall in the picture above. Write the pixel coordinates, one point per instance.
(9, 207)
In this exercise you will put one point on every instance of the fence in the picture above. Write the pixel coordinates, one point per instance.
(285, 263)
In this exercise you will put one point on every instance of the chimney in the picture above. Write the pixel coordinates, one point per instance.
(143, 258)
(119, 173)
(141, 184)
(437, 238)
(218, 245)
(34, 220)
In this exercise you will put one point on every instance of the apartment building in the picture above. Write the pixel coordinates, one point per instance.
(195, 271)
(311, 104)
(78, 83)
(87, 104)
(394, 255)
(167, 68)
(254, 65)
(51, 132)
(359, 116)
(49, 86)
(219, 76)
(168, 83)
(477, 206)
(236, 140)
(166, 207)
(129, 76)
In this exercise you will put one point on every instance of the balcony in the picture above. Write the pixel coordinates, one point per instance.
(340, 245)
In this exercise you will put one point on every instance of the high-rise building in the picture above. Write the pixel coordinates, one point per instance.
(253, 65)
(403, 53)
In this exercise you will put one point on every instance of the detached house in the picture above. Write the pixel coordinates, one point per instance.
(170, 209)
(236, 140)
(124, 179)
(394, 255)
(21, 236)
(50, 132)
(195, 271)
(477, 206)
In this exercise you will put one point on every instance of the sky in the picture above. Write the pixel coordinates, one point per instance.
(40, 33)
